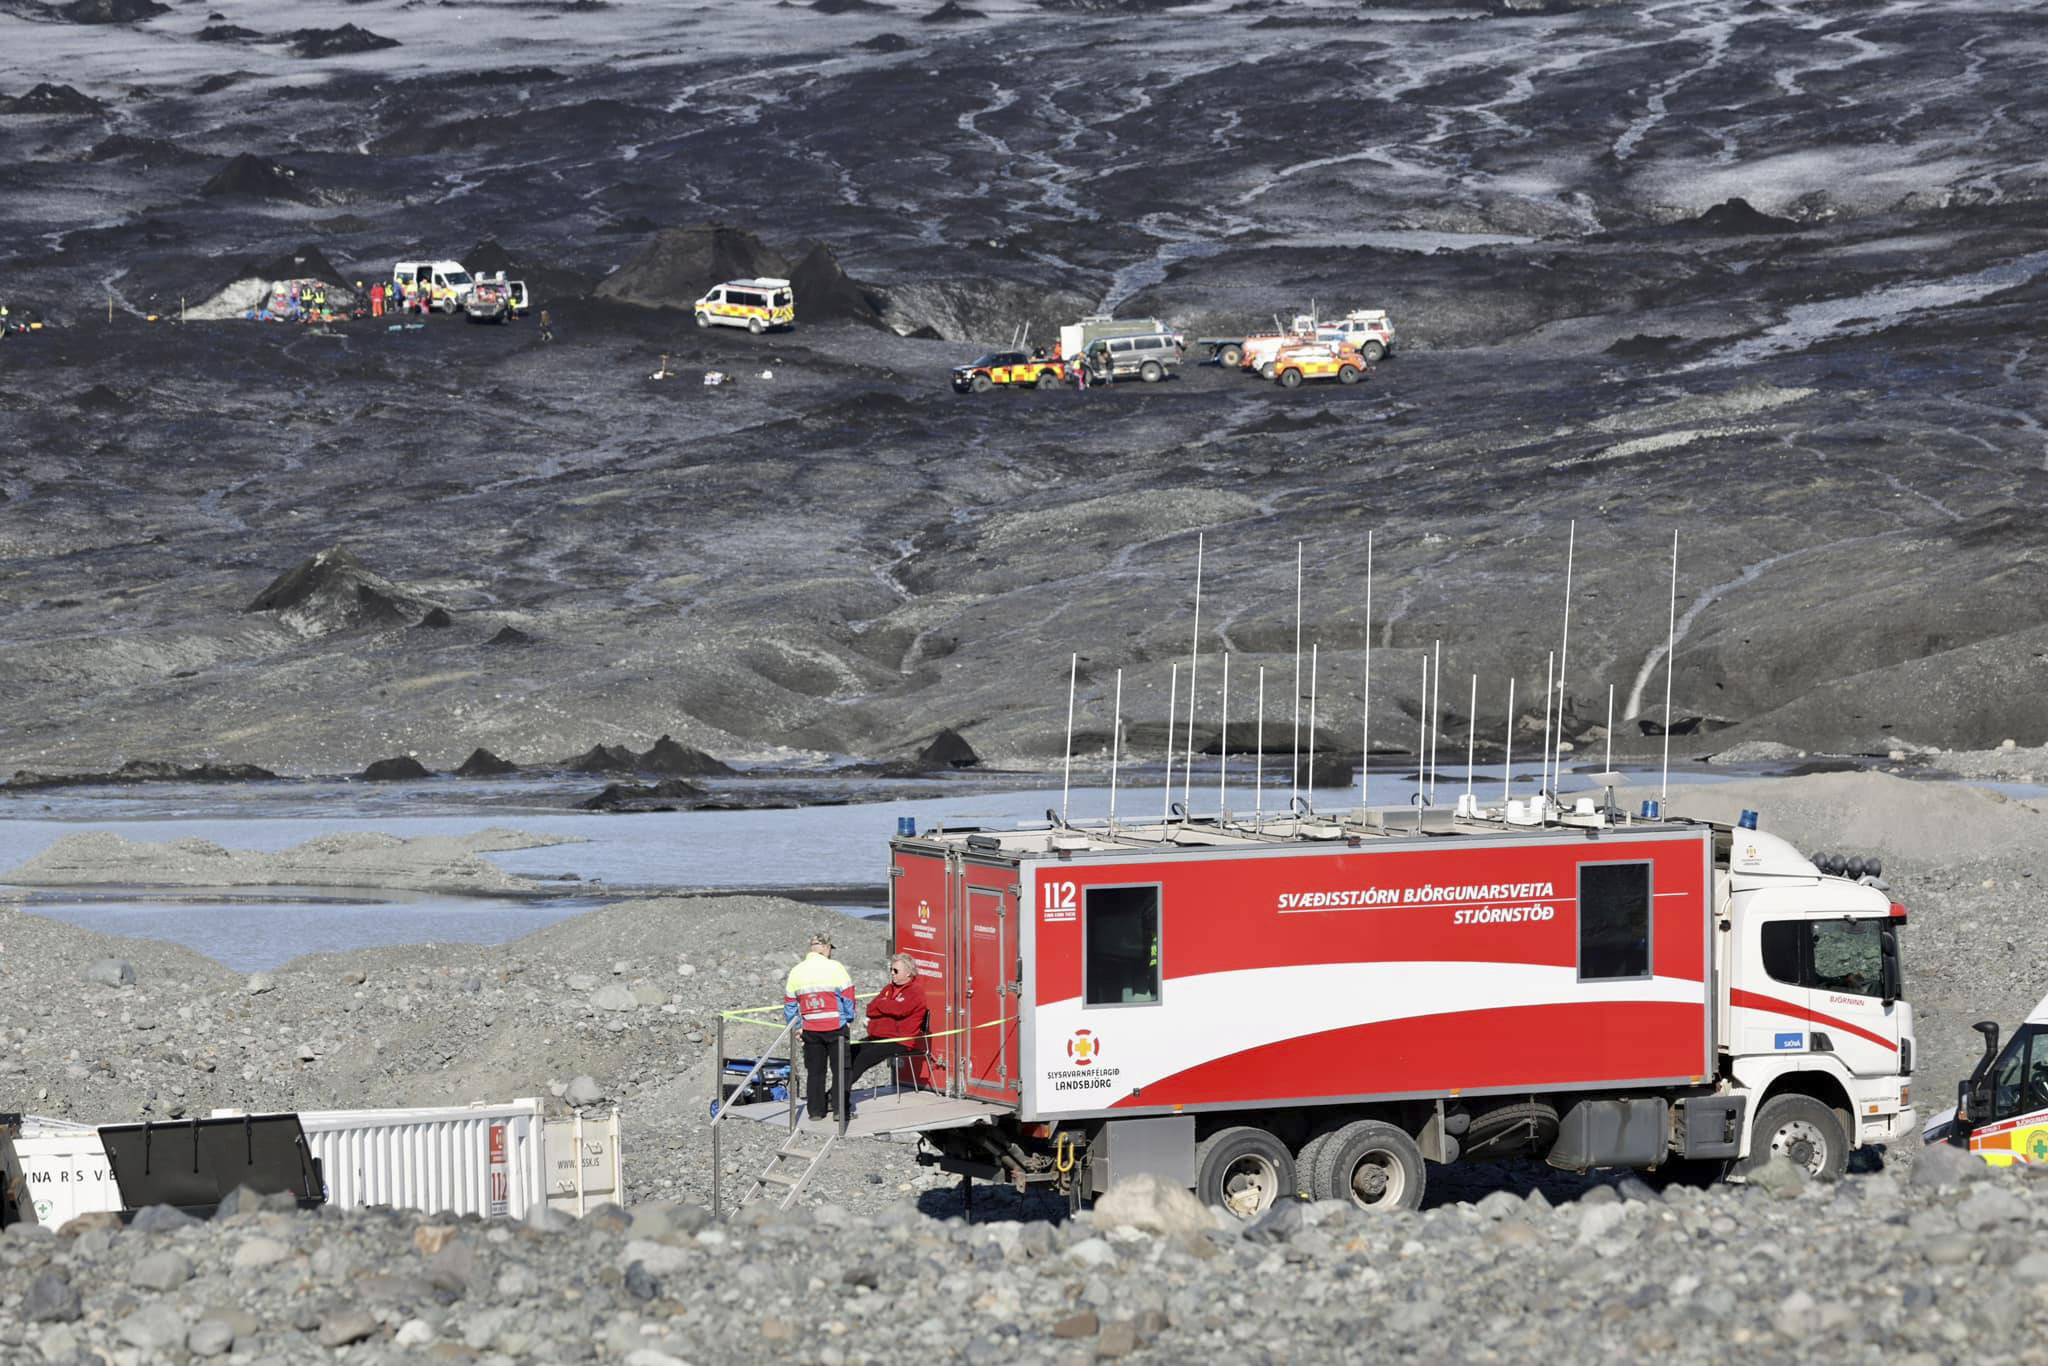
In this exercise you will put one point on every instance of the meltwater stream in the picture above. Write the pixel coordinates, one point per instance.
(835, 854)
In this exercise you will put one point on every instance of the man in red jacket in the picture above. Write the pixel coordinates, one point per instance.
(896, 1020)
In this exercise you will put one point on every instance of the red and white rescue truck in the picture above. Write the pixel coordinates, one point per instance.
(1320, 1005)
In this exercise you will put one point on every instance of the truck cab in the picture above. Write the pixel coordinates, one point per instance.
(1813, 1021)
(2001, 1112)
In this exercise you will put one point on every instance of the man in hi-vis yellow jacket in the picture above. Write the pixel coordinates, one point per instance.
(820, 993)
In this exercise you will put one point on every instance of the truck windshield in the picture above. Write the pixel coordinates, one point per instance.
(456, 277)
(1848, 956)
(2019, 1080)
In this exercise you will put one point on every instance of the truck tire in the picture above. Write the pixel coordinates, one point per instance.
(703, 318)
(1048, 380)
(1372, 1164)
(1151, 373)
(1307, 1158)
(1802, 1129)
(1244, 1170)
(1267, 370)
(1231, 357)
(982, 384)
(1290, 379)
(756, 326)
(1372, 351)
(1347, 374)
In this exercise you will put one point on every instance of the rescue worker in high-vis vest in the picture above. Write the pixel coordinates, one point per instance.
(819, 994)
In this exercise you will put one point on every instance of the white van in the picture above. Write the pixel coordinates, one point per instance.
(450, 281)
(756, 305)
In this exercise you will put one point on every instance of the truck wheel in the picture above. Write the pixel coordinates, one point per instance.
(1373, 1165)
(1243, 1170)
(1306, 1161)
(982, 384)
(1151, 373)
(1801, 1129)
(1231, 357)
(703, 318)
(1290, 379)
(1048, 380)
(756, 326)
(1347, 374)
(1372, 351)
(1268, 370)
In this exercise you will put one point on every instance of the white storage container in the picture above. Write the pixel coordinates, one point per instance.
(489, 1160)
(56, 1171)
(480, 1159)
(583, 1164)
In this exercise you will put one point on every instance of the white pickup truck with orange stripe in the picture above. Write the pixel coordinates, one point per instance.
(2001, 1112)
(756, 305)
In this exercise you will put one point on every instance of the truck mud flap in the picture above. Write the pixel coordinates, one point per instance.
(1612, 1133)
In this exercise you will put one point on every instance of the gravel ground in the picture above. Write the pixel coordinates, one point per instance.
(1884, 1263)
(1923, 1269)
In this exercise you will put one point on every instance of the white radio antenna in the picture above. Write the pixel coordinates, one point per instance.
(1172, 704)
(1608, 767)
(1223, 746)
(1564, 646)
(1365, 711)
(1436, 670)
(1507, 757)
(1670, 646)
(1294, 759)
(1543, 755)
(1313, 651)
(1067, 769)
(1259, 754)
(1471, 732)
(1187, 775)
(1422, 742)
(1116, 745)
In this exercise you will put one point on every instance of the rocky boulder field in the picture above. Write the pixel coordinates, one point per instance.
(1914, 1255)
(1921, 1269)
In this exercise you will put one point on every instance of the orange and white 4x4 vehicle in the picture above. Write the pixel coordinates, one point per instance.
(1318, 360)
(1008, 367)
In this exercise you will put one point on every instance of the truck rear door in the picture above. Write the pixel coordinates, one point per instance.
(991, 1000)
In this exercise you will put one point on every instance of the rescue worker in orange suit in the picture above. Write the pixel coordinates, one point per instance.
(896, 1021)
(819, 995)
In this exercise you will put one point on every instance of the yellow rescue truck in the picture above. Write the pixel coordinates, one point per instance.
(2001, 1112)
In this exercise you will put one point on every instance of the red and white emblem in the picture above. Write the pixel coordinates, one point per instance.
(1084, 1047)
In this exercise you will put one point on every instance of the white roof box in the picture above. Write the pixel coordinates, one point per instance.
(764, 282)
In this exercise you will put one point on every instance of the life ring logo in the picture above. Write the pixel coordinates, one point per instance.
(924, 910)
(1084, 1048)
(2037, 1146)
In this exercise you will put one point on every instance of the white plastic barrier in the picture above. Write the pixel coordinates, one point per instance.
(489, 1160)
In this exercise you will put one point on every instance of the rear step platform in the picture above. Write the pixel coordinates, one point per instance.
(879, 1113)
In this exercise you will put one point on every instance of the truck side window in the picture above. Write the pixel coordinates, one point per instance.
(1847, 957)
(1120, 964)
(1780, 941)
(1614, 920)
